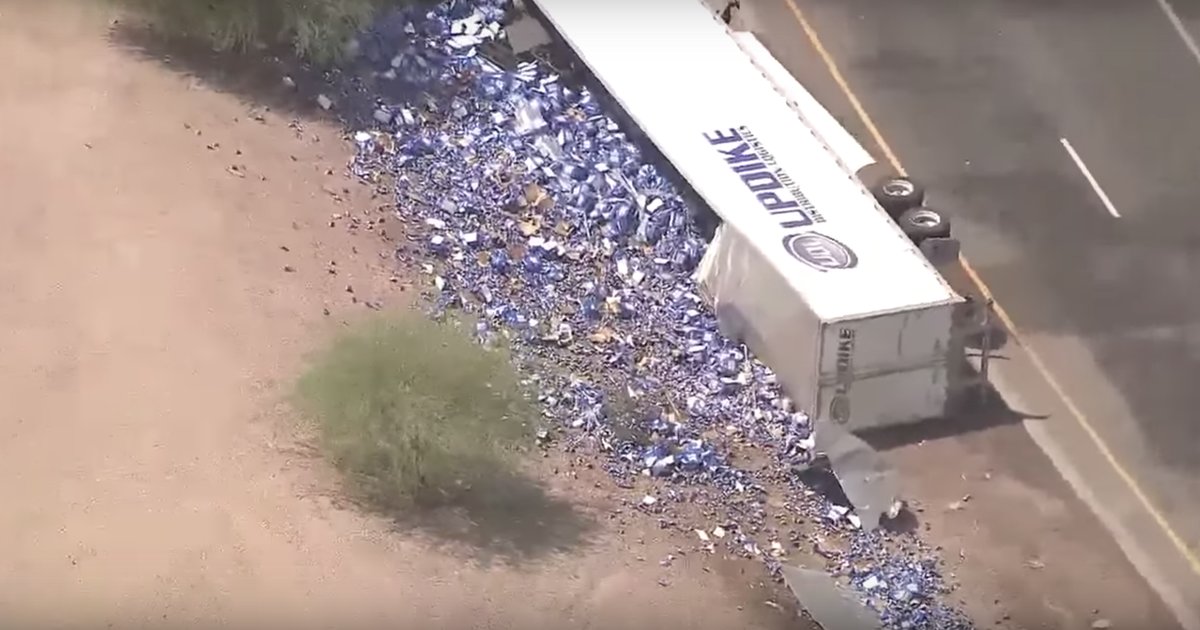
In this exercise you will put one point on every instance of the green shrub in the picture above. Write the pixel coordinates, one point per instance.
(413, 411)
(317, 29)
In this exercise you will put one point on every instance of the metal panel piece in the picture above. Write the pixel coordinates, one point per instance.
(525, 34)
(830, 605)
(869, 482)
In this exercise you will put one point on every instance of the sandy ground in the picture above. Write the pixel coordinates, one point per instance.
(150, 327)
(171, 255)
(1025, 551)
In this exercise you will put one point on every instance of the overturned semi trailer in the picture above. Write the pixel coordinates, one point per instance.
(833, 291)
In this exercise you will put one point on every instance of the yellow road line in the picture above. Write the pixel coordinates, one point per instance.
(1087, 427)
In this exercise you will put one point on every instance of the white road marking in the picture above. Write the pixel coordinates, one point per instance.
(1108, 204)
(1187, 38)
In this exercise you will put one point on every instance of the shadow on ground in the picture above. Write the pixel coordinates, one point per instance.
(273, 78)
(504, 515)
(501, 514)
(981, 411)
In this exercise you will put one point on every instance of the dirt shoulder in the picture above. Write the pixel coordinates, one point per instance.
(1026, 552)
(172, 255)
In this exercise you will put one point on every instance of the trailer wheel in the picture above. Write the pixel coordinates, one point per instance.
(898, 194)
(922, 223)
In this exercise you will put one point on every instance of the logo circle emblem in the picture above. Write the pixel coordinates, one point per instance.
(821, 252)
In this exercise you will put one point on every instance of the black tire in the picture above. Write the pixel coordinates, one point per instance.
(922, 223)
(898, 194)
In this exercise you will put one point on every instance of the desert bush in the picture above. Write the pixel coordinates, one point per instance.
(414, 411)
(317, 29)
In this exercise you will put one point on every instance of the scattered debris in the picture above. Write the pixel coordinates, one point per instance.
(528, 206)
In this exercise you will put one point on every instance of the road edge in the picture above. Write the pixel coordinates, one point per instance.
(1140, 540)
(1073, 453)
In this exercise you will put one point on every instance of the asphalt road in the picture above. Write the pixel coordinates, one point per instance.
(976, 99)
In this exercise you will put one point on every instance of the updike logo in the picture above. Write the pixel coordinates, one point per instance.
(820, 252)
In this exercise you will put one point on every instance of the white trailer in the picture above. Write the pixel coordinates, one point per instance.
(807, 268)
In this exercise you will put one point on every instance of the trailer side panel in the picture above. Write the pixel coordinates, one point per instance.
(886, 370)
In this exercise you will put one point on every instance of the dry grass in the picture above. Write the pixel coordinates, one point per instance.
(414, 411)
(317, 29)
